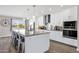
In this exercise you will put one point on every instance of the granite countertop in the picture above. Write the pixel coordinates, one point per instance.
(37, 33)
(31, 33)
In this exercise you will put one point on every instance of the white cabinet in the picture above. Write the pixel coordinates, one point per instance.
(57, 19)
(65, 15)
(57, 36)
(70, 14)
(37, 43)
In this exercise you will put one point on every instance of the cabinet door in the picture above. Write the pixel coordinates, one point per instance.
(37, 44)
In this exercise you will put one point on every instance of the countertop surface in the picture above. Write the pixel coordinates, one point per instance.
(40, 32)
(31, 33)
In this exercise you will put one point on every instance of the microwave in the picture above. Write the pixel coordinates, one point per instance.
(70, 25)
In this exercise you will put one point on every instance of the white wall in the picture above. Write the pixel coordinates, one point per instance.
(39, 21)
(5, 28)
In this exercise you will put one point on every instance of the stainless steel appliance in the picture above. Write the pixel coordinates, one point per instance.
(70, 25)
(70, 33)
(70, 29)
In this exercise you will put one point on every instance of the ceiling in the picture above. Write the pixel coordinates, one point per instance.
(28, 11)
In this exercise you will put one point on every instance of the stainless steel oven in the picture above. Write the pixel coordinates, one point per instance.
(70, 29)
(70, 33)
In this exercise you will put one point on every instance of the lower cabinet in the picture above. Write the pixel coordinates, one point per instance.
(37, 43)
(58, 36)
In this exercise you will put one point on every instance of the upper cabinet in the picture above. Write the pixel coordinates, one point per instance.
(56, 19)
(64, 15)
(70, 14)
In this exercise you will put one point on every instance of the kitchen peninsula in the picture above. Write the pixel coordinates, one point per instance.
(25, 40)
(34, 42)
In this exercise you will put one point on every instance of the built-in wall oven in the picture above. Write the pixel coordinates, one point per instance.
(70, 25)
(70, 34)
(70, 29)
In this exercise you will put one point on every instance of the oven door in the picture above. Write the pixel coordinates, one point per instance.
(70, 33)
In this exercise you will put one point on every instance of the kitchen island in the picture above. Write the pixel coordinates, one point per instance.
(34, 42)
